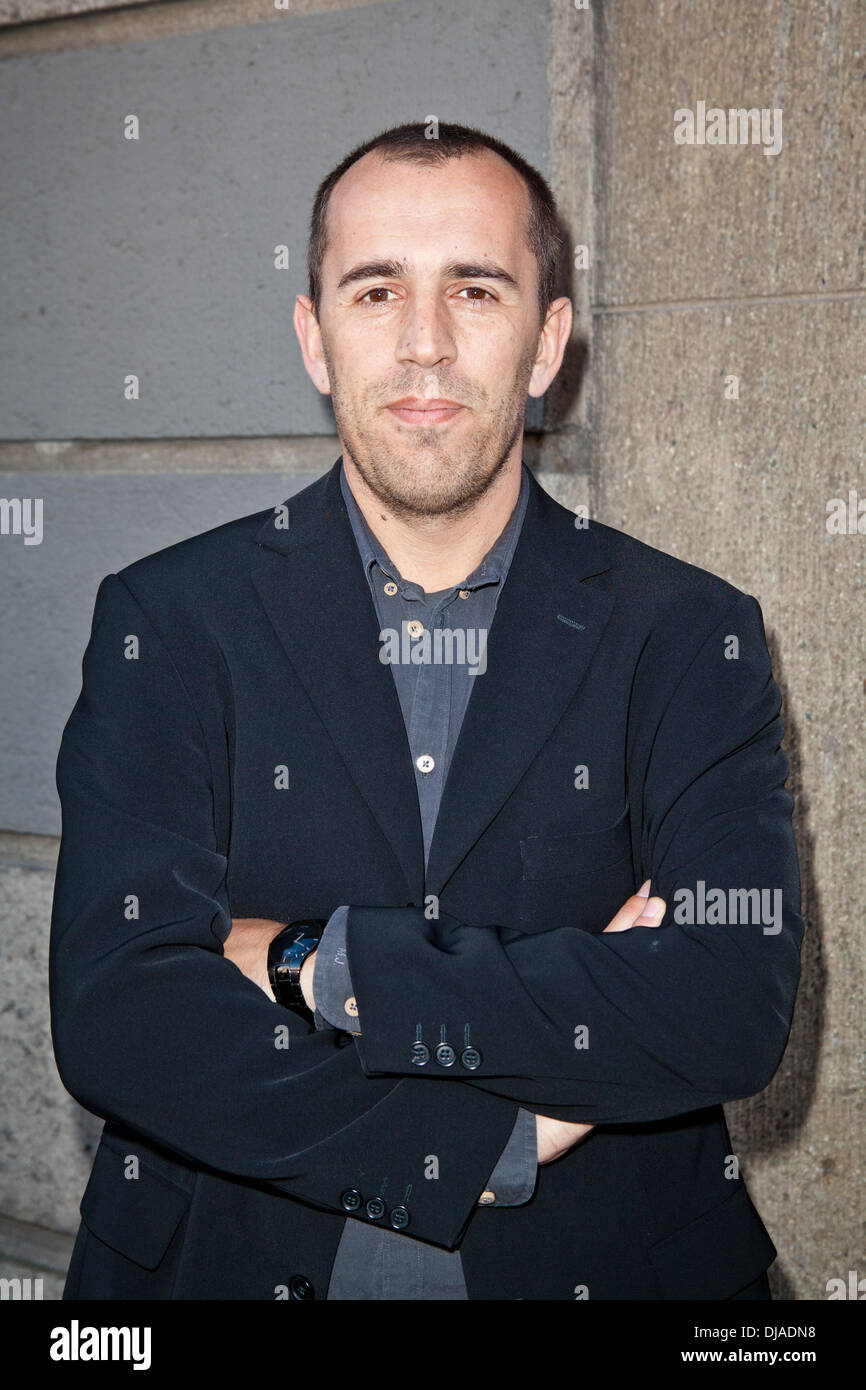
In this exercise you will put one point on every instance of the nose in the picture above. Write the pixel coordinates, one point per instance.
(426, 335)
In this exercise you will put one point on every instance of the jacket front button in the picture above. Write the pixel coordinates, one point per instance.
(351, 1199)
(399, 1218)
(300, 1287)
(445, 1055)
(471, 1058)
(375, 1208)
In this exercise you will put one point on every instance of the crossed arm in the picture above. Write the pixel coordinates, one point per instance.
(247, 944)
(679, 1019)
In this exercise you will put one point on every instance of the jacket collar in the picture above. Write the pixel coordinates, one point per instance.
(547, 625)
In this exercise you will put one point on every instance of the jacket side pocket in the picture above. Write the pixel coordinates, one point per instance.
(136, 1216)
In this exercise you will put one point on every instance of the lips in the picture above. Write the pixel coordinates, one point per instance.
(414, 410)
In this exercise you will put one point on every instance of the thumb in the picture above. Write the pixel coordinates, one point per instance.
(640, 910)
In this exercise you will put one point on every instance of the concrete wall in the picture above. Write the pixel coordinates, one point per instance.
(712, 403)
(716, 262)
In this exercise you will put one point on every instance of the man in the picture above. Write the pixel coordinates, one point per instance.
(422, 704)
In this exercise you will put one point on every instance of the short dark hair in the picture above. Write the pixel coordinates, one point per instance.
(409, 143)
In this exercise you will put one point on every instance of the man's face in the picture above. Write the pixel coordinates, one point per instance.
(428, 293)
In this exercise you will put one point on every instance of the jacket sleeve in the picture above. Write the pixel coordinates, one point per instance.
(515, 1175)
(647, 1023)
(155, 1029)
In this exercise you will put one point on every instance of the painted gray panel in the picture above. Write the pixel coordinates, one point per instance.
(156, 256)
(92, 525)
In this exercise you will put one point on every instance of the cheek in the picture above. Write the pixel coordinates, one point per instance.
(359, 391)
(497, 360)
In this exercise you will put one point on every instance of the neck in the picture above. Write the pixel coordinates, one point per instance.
(438, 552)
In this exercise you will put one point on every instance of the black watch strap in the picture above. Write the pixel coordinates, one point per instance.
(286, 955)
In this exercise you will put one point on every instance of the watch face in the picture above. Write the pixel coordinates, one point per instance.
(298, 950)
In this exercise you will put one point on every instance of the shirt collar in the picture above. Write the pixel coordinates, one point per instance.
(492, 569)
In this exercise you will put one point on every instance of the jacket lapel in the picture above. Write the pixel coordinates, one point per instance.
(310, 579)
(547, 625)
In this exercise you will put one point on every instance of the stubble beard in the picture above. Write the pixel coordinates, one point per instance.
(428, 476)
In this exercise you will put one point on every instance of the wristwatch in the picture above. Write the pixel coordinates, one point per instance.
(286, 954)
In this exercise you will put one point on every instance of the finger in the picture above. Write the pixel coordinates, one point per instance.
(653, 914)
(638, 911)
(630, 910)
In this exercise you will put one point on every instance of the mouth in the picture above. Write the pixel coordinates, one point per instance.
(416, 411)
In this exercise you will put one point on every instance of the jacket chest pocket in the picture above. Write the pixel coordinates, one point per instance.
(578, 879)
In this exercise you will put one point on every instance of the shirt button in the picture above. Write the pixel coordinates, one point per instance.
(425, 762)
(415, 628)
(351, 1007)
(390, 587)
(487, 1198)
(464, 593)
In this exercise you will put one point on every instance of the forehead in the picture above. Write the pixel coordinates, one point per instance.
(378, 203)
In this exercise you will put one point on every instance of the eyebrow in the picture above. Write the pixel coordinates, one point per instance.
(454, 270)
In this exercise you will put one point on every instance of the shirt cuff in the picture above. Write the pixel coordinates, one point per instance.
(512, 1181)
(332, 983)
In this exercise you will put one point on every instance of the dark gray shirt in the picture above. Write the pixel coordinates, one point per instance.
(435, 644)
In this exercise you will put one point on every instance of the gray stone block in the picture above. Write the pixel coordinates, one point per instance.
(155, 256)
(92, 525)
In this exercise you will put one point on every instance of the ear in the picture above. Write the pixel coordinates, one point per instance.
(310, 338)
(553, 337)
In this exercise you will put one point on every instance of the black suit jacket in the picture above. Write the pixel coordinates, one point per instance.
(238, 749)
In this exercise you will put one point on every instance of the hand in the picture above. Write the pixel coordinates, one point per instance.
(556, 1137)
(246, 946)
(553, 1138)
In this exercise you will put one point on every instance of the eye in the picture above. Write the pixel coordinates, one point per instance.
(481, 290)
(377, 289)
